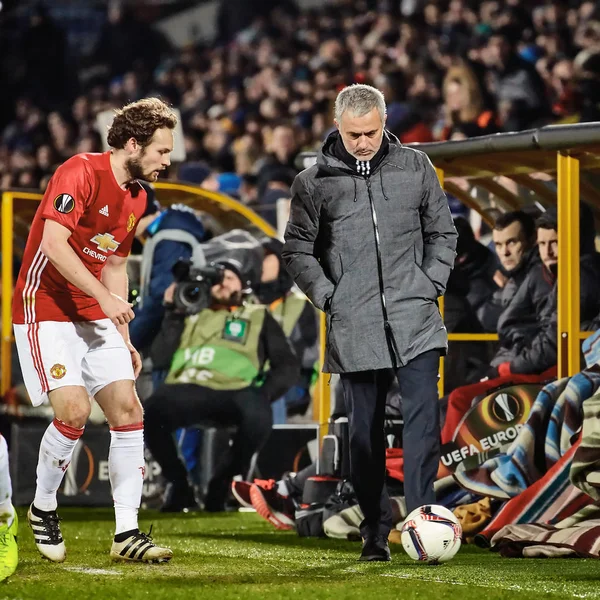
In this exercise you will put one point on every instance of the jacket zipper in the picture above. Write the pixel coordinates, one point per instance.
(389, 334)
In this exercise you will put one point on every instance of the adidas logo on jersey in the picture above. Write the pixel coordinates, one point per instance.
(104, 211)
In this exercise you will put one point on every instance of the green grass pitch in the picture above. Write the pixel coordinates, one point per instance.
(237, 555)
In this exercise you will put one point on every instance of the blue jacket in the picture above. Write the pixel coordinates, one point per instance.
(167, 252)
(148, 318)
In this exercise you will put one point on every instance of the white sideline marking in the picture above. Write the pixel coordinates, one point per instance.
(90, 571)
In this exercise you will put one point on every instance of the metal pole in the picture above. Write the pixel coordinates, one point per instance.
(440, 174)
(323, 409)
(7, 290)
(568, 308)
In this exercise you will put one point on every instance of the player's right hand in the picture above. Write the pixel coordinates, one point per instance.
(116, 309)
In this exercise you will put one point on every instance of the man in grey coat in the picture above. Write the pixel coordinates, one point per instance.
(371, 242)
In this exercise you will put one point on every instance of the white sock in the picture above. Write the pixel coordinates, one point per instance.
(6, 510)
(56, 451)
(126, 469)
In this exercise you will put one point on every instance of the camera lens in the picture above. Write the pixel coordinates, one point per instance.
(192, 294)
(192, 297)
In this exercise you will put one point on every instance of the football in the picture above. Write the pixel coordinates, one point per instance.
(431, 534)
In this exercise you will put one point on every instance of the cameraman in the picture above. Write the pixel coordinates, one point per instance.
(217, 375)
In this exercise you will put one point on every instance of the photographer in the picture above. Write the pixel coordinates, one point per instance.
(217, 374)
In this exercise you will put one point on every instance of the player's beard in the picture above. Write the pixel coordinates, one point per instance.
(136, 170)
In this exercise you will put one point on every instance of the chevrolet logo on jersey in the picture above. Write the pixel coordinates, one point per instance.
(105, 242)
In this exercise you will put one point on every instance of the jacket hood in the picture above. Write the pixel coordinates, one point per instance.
(182, 217)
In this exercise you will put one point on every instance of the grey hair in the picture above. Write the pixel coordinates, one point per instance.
(359, 99)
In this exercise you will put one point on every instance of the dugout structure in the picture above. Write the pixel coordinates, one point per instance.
(221, 213)
(553, 165)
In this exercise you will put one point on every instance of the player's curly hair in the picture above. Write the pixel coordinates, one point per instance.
(140, 120)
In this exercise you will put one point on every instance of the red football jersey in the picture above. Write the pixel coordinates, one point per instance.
(83, 195)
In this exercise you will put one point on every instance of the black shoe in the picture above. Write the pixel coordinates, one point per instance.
(375, 548)
(179, 498)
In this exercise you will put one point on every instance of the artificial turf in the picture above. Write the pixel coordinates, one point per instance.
(238, 555)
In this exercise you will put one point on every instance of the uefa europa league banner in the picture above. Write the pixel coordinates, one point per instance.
(86, 480)
(489, 427)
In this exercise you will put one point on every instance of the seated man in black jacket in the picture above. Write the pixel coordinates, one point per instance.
(217, 375)
(477, 264)
(298, 319)
(527, 327)
(514, 237)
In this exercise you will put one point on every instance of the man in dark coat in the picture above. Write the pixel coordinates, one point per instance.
(527, 328)
(477, 263)
(514, 237)
(370, 241)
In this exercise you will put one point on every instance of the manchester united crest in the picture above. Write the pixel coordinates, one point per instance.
(131, 222)
(58, 371)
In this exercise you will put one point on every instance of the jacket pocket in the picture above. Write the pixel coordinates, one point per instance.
(336, 289)
(434, 293)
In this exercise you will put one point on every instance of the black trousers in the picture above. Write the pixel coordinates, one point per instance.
(365, 395)
(182, 405)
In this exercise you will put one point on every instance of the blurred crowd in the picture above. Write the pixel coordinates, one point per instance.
(450, 69)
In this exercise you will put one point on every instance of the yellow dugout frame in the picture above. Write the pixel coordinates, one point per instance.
(225, 211)
(491, 163)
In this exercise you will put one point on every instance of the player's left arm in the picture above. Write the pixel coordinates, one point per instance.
(114, 278)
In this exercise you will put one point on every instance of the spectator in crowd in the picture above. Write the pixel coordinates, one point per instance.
(405, 119)
(464, 105)
(279, 163)
(587, 77)
(514, 240)
(477, 264)
(218, 375)
(465, 361)
(517, 84)
(298, 319)
(44, 49)
(125, 41)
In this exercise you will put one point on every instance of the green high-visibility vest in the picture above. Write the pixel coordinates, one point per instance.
(219, 349)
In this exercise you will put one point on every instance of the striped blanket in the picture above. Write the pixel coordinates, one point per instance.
(549, 500)
(547, 436)
(538, 540)
(579, 533)
(585, 472)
